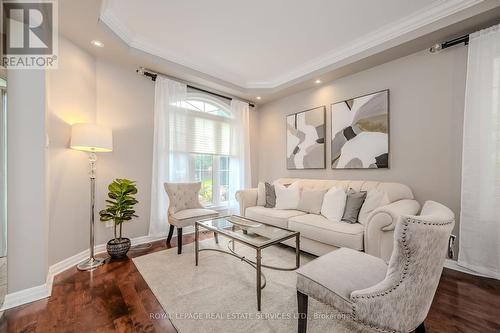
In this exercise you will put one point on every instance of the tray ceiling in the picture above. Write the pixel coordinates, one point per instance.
(266, 44)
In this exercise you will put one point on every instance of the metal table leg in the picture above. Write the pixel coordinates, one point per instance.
(297, 250)
(196, 241)
(259, 281)
(232, 245)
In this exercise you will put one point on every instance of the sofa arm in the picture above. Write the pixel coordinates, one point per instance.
(379, 228)
(246, 198)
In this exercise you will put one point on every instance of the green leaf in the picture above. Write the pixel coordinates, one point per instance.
(114, 188)
(121, 202)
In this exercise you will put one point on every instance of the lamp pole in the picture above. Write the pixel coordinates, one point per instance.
(91, 138)
(91, 263)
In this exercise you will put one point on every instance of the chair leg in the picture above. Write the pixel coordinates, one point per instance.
(216, 236)
(420, 328)
(179, 240)
(170, 233)
(302, 301)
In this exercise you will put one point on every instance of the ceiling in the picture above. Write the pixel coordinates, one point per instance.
(257, 43)
(263, 47)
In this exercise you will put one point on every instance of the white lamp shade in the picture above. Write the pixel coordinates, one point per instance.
(91, 138)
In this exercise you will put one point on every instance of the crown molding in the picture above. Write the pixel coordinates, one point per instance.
(434, 12)
(108, 18)
(135, 42)
(210, 70)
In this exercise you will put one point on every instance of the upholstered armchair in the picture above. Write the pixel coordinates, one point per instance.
(389, 298)
(184, 208)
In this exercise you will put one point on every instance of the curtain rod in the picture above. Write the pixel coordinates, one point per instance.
(440, 46)
(153, 75)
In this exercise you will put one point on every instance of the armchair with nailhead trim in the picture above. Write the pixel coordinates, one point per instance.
(393, 297)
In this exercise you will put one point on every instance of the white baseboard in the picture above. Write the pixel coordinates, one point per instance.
(26, 296)
(453, 264)
(45, 290)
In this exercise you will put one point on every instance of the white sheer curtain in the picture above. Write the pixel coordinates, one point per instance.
(180, 133)
(240, 173)
(169, 96)
(480, 214)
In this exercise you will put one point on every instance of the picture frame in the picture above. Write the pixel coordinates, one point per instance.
(360, 132)
(306, 139)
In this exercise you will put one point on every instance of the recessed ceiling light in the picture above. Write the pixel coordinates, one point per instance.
(258, 97)
(317, 81)
(97, 43)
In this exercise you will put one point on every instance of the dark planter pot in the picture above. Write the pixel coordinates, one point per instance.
(118, 249)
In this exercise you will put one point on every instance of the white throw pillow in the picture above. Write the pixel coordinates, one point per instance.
(334, 204)
(287, 197)
(261, 194)
(374, 199)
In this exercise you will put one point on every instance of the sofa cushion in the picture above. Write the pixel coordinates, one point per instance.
(394, 191)
(270, 195)
(287, 197)
(334, 233)
(311, 201)
(276, 217)
(374, 199)
(333, 204)
(353, 205)
(261, 194)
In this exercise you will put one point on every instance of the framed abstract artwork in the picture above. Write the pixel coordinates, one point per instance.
(305, 139)
(360, 132)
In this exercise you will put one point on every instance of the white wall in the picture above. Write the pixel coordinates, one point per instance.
(125, 102)
(426, 118)
(26, 180)
(71, 95)
(84, 89)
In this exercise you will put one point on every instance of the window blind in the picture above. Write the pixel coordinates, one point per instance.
(201, 133)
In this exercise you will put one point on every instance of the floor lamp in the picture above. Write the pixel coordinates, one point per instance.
(93, 139)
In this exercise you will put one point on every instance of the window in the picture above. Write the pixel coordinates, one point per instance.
(213, 173)
(201, 145)
(204, 106)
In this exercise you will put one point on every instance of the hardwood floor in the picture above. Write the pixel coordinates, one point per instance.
(115, 298)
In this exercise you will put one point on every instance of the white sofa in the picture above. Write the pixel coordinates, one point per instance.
(318, 235)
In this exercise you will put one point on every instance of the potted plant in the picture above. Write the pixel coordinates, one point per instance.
(119, 208)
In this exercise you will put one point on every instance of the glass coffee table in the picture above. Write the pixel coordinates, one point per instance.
(256, 235)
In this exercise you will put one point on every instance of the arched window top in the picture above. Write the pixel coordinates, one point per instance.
(206, 104)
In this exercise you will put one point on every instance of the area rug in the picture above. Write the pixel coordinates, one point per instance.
(220, 294)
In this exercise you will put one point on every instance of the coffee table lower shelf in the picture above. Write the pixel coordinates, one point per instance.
(261, 280)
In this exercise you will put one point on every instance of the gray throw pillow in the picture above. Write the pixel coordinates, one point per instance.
(270, 196)
(353, 206)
